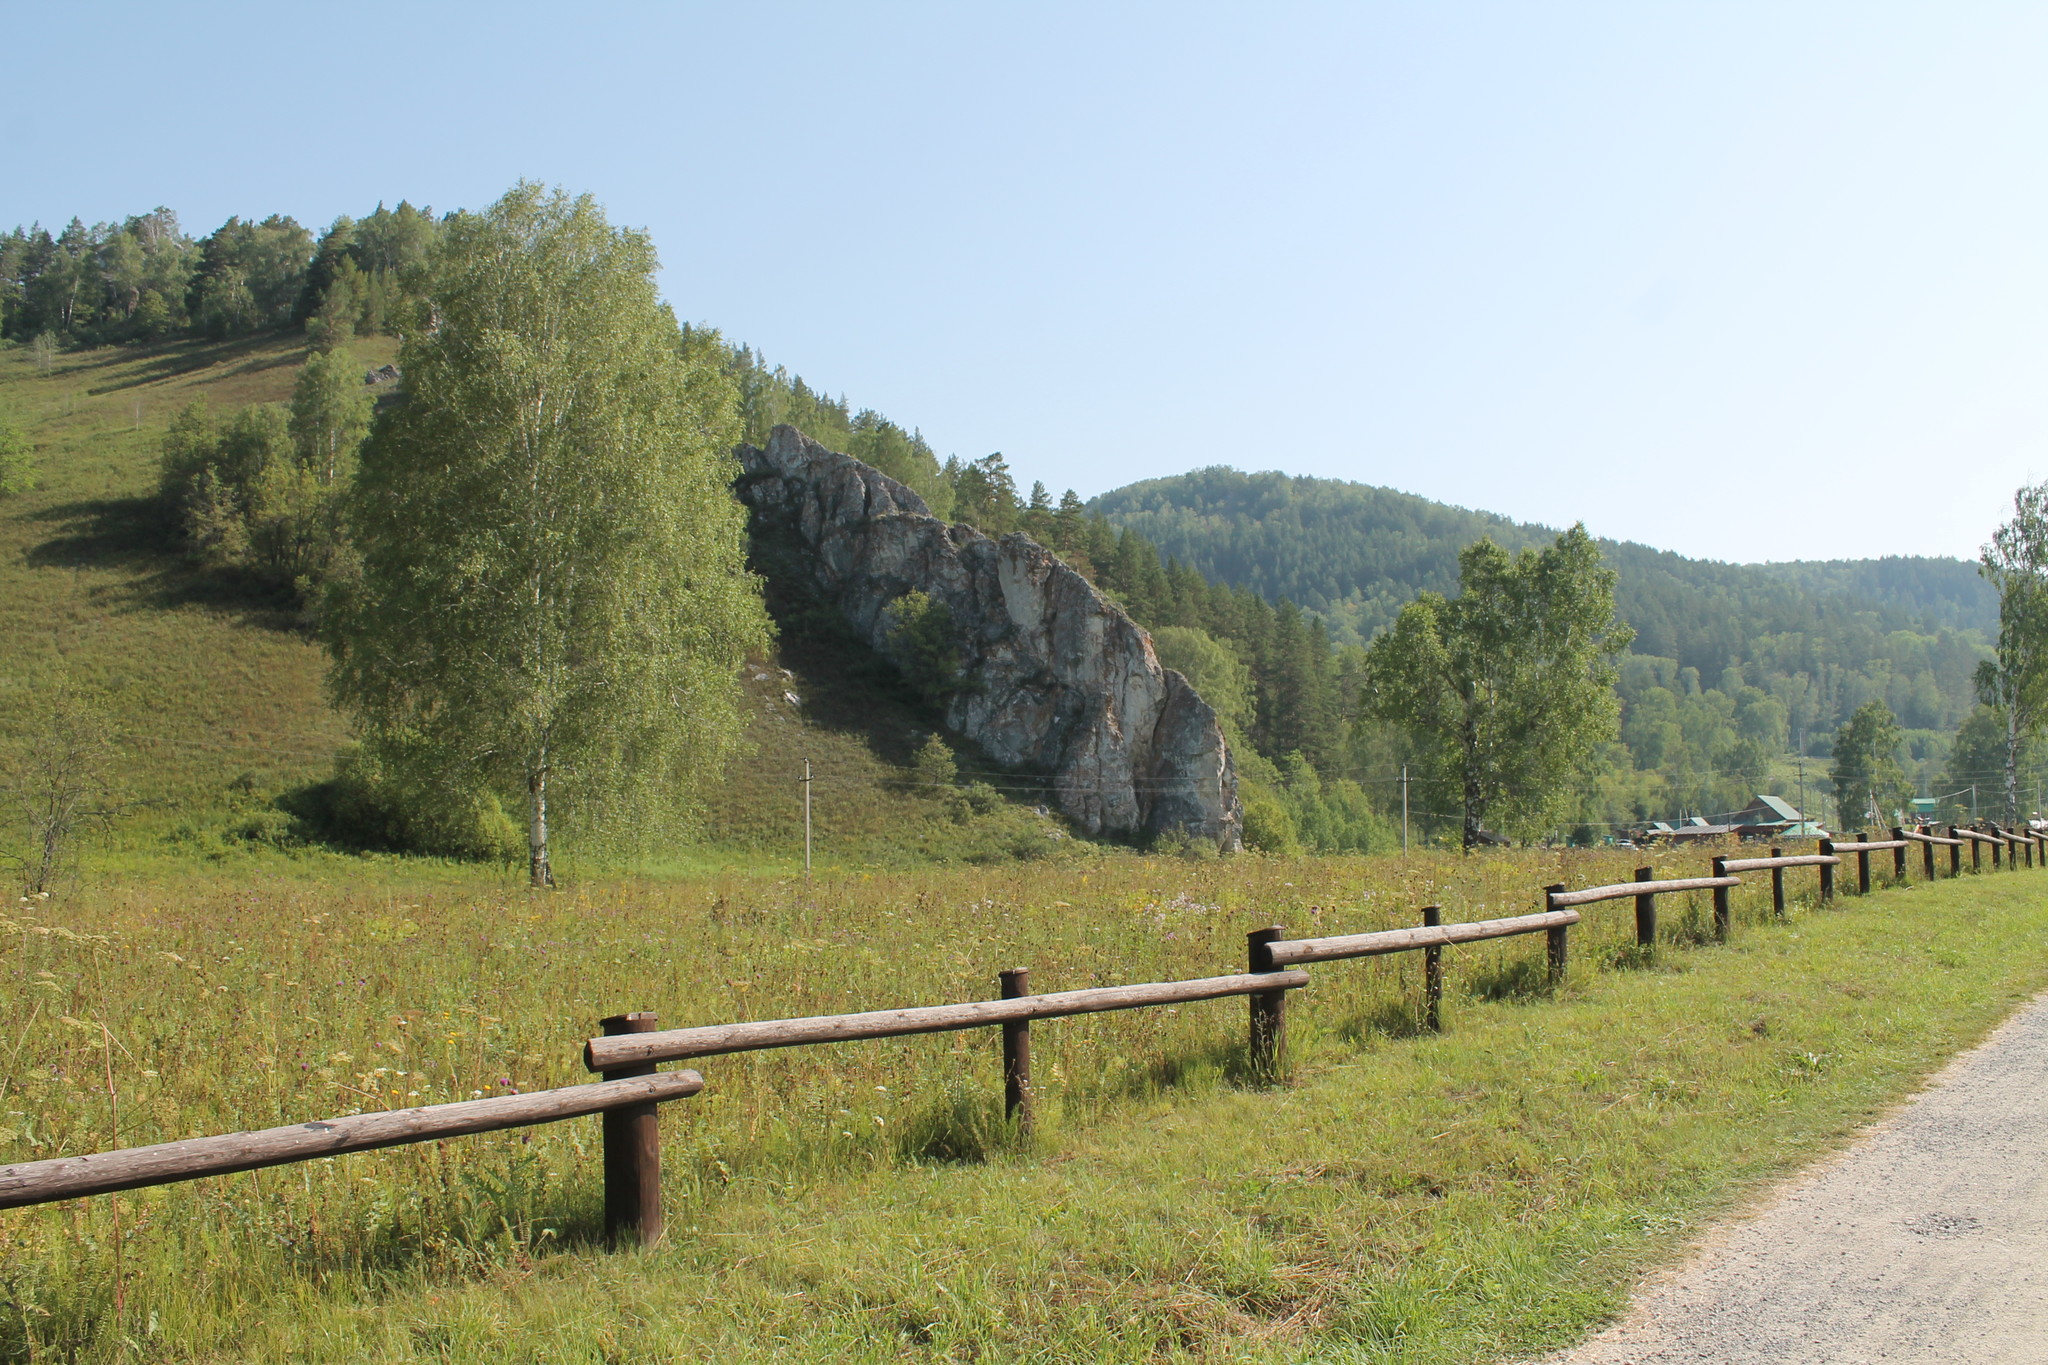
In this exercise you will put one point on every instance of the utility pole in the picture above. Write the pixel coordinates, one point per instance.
(807, 819)
(1404, 809)
(1802, 778)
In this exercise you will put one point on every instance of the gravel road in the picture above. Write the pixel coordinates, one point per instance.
(1926, 1241)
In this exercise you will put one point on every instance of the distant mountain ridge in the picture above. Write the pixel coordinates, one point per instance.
(1821, 635)
(1354, 553)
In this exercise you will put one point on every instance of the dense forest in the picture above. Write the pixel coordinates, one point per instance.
(145, 279)
(1731, 663)
(1263, 588)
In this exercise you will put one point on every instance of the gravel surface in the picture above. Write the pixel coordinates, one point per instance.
(1926, 1241)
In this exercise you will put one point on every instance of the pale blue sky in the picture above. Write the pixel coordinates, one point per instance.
(1747, 281)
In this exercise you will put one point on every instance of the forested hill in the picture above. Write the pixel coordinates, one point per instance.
(1821, 637)
(1354, 554)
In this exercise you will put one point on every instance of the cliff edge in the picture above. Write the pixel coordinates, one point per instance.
(1058, 680)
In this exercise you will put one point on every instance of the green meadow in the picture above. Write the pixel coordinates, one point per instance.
(1479, 1195)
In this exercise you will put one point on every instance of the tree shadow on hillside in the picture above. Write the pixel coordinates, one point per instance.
(178, 359)
(129, 536)
(851, 689)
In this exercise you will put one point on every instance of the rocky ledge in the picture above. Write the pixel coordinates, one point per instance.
(1058, 680)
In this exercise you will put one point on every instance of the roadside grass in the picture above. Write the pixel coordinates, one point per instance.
(1482, 1194)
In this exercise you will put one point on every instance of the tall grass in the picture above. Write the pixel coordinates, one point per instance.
(276, 996)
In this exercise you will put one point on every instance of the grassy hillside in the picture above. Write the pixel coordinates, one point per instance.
(216, 686)
(208, 681)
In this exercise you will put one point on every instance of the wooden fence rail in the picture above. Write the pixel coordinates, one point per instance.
(1928, 843)
(1773, 863)
(1863, 847)
(71, 1177)
(1339, 947)
(710, 1040)
(1976, 840)
(632, 1045)
(1645, 889)
(1432, 938)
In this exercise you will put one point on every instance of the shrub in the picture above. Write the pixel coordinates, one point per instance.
(367, 805)
(1267, 825)
(18, 472)
(922, 645)
(934, 766)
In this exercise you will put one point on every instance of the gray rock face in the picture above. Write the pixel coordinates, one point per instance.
(1062, 682)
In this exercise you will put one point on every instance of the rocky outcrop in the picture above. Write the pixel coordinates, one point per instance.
(1059, 681)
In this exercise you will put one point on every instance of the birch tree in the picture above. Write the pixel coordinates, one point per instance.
(552, 598)
(2015, 678)
(1869, 780)
(1508, 688)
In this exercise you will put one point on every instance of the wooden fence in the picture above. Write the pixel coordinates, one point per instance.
(631, 1046)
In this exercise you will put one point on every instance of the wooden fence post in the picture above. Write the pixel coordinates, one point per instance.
(1017, 1099)
(1555, 946)
(1995, 848)
(1898, 855)
(1827, 871)
(1778, 886)
(632, 1152)
(1862, 863)
(1268, 1009)
(1955, 855)
(1433, 973)
(1926, 855)
(1646, 910)
(1722, 914)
